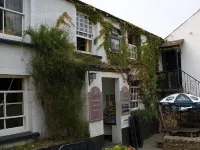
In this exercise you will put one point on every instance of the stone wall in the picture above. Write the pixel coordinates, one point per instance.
(181, 143)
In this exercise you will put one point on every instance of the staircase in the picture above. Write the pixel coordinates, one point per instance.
(176, 81)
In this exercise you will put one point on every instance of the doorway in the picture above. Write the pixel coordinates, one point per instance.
(171, 62)
(109, 108)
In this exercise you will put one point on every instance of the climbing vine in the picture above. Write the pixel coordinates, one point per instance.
(147, 63)
(59, 75)
(59, 72)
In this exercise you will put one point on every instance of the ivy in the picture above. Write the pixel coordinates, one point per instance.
(59, 72)
(59, 75)
(148, 55)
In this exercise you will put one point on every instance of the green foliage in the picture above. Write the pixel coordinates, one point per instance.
(59, 76)
(118, 147)
(150, 55)
(145, 114)
(147, 63)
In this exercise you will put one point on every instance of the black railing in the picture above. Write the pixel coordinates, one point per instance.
(178, 81)
(75, 146)
(82, 145)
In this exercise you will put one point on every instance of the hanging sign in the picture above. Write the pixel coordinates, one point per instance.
(125, 101)
(95, 103)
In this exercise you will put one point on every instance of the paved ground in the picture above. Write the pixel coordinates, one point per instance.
(150, 144)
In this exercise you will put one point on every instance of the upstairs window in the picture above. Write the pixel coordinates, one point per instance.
(84, 33)
(132, 51)
(132, 46)
(11, 17)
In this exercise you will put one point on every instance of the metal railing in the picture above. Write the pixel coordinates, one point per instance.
(75, 146)
(178, 80)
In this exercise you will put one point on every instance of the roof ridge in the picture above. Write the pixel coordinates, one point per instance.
(183, 22)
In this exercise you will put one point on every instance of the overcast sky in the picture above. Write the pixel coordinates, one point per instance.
(160, 17)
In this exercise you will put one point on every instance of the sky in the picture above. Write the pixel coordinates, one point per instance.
(160, 17)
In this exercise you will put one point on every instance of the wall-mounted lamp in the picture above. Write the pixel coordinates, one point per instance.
(91, 77)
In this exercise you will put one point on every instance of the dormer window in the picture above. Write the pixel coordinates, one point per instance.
(84, 33)
(11, 17)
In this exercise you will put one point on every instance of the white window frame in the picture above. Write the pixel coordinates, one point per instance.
(16, 12)
(132, 49)
(22, 128)
(134, 95)
(88, 33)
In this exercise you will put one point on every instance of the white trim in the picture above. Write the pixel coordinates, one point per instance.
(24, 127)
(79, 51)
(135, 100)
(21, 116)
(132, 50)
(90, 39)
(20, 91)
(12, 131)
(9, 10)
(13, 37)
(14, 103)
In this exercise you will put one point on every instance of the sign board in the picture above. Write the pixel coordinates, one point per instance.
(95, 104)
(125, 101)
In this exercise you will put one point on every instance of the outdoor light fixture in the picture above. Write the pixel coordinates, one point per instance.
(91, 77)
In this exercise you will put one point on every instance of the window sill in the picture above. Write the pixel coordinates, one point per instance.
(89, 54)
(18, 137)
(11, 37)
(13, 41)
(132, 58)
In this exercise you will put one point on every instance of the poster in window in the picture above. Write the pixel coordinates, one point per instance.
(115, 44)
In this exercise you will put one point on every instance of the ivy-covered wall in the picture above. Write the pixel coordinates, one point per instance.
(148, 54)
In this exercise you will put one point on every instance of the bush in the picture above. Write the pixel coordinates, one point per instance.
(59, 76)
(120, 147)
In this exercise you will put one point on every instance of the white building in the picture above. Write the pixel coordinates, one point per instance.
(20, 113)
(179, 57)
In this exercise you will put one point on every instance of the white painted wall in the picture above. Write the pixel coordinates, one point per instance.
(15, 63)
(190, 32)
(96, 127)
(14, 60)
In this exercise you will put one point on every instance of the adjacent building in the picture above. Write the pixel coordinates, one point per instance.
(179, 59)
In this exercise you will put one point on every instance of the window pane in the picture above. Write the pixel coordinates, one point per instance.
(136, 104)
(2, 3)
(13, 24)
(1, 105)
(14, 110)
(1, 111)
(1, 124)
(16, 5)
(14, 97)
(15, 122)
(1, 21)
(14, 84)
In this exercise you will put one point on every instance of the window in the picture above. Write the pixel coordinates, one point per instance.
(11, 104)
(134, 97)
(84, 33)
(132, 46)
(132, 51)
(11, 17)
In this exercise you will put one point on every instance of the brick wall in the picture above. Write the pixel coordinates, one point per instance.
(181, 143)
